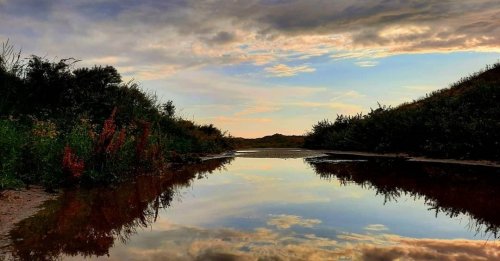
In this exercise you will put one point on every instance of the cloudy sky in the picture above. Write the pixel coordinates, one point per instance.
(257, 67)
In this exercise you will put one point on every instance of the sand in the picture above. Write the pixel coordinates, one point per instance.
(16, 205)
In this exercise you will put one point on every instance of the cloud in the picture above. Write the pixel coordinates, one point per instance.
(222, 38)
(366, 63)
(179, 242)
(376, 227)
(105, 60)
(170, 45)
(283, 70)
(248, 94)
(246, 107)
(357, 238)
(287, 221)
(155, 72)
(389, 27)
(257, 109)
(252, 108)
(339, 107)
(187, 34)
(350, 94)
(222, 119)
(433, 249)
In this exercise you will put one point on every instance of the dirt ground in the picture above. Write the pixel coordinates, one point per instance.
(16, 205)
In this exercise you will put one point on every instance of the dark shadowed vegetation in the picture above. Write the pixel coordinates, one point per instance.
(64, 125)
(459, 122)
(452, 190)
(88, 222)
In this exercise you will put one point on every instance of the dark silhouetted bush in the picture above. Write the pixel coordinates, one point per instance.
(61, 125)
(461, 122)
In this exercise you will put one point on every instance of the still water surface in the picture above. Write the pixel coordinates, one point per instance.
(252, 208)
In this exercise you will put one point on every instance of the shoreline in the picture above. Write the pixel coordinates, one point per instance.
(16, 205)
(407, 157)
(284, 152)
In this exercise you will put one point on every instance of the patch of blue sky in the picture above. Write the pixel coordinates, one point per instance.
(438, 69)
(391, 79)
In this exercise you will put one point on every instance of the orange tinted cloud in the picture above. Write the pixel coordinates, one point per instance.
(195, 243)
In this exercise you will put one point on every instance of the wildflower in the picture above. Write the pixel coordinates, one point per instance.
(71, 163)
(44, 129)
(155, 153)
(107, 134)
(117, 142)
(143, 139)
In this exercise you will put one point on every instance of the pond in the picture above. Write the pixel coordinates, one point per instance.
(263, 205)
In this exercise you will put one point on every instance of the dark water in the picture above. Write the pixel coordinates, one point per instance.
(276, 209)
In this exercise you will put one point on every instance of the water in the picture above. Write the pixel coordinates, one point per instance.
(251, 208)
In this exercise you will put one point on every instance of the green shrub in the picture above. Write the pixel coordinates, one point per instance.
(12, 140)
(43, 158)
(459, 122)
(51, 144)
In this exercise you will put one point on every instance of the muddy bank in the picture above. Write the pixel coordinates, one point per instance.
(16, 205)
(407, 157)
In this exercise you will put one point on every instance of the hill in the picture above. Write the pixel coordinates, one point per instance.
(271, 141)
(462, 122)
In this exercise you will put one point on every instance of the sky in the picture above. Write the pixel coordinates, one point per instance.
(259, 67)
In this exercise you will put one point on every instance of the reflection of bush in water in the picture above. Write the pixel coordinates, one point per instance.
(87, 222)
(452, 189)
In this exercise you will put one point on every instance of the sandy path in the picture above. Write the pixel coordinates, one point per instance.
(16, 205)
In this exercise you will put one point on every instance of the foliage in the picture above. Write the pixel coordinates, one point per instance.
(457, 122)
(11, 145)
(62, 125)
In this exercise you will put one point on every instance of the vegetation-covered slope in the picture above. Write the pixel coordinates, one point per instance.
(65, 125)
(462, 121)
(271, 141)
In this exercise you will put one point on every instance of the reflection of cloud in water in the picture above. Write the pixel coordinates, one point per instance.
(258, 178)
(196, 243)
(287, 221)
(376, 227)
(240, 198)
(249, 189)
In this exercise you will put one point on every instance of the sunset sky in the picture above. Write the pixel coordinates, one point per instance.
(258, 67)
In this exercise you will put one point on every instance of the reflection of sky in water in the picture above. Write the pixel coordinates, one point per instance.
(276, 208)
(250, 190)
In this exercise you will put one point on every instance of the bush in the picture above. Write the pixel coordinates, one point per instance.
(12, 141)
(86, 126)
(458, 122)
